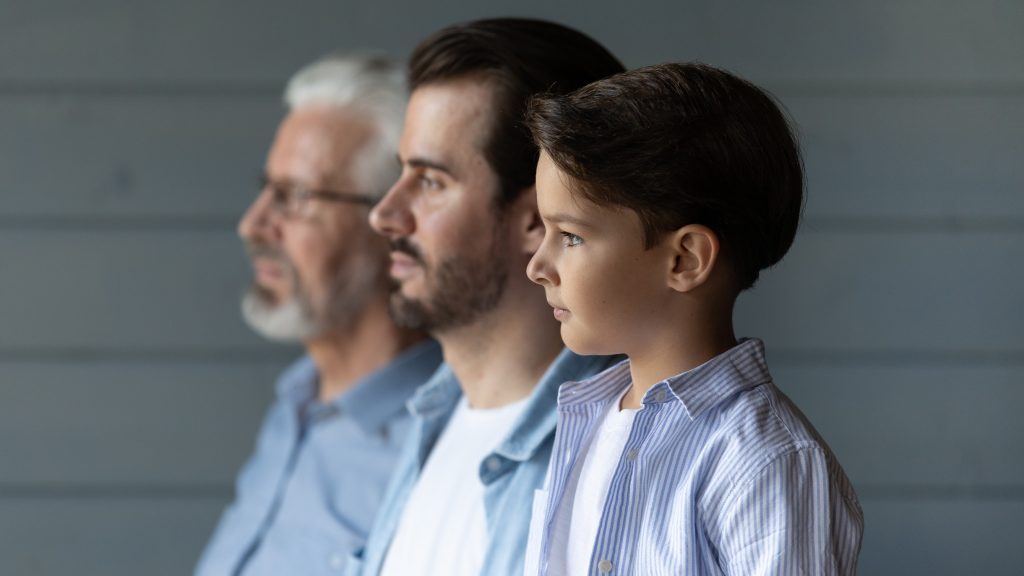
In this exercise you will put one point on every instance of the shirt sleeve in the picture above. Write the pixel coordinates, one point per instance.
(790, 518)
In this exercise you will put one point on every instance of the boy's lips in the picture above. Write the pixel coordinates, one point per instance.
(559, 312)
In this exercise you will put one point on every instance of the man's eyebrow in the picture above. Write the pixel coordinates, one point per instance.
(427, 163)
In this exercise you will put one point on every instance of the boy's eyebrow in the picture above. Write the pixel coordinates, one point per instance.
(561, 217)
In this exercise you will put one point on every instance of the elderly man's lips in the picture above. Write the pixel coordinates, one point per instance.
(267, 270)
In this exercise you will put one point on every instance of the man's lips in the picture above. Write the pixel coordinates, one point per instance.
(403, 265)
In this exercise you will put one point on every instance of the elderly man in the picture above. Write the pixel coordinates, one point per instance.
(308, 494)
(463, 223)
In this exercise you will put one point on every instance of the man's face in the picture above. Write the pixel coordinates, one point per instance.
(314, 270)
(450, 245)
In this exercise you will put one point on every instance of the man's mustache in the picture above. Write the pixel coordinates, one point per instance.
(404, 246)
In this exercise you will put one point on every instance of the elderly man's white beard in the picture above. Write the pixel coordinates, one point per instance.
(299, 318)
(294, 319)
(289, 321)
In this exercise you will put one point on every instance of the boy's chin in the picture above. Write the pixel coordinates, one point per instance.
(584, 346)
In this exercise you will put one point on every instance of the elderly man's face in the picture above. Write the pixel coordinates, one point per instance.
(315, 262)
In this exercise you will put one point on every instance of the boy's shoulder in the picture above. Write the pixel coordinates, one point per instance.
(756, 429)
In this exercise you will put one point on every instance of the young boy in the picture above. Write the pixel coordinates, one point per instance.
(664, 192)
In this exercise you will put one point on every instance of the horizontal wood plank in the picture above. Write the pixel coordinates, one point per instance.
(104, 537)
(904, 161)
(892, 292)
(928, 537)
(128, 537)
(128, 290)
(227, 42)
(948, 428)
(138, 426)
(192, 160)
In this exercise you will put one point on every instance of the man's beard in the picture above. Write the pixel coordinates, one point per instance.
(463, 290)
(299, 317)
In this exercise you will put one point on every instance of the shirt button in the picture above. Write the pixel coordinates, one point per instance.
(493, 463)
(604, 566)
(631, 454)
(659, 396)
(336, 561)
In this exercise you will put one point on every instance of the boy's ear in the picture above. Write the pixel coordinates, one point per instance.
(526, 221)
(695, 249)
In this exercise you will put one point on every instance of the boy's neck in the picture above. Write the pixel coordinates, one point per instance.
(676, 352)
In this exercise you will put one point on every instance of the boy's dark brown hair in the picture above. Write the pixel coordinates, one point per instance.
(520, 57)
(682, 144)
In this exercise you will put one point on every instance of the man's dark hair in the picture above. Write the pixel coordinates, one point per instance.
(520, 57)
(682, 144)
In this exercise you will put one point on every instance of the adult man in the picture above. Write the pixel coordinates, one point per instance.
(463, 223)
(308, 494)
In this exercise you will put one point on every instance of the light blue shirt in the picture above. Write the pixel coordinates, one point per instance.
(720, 474)
(510, 473)
(307, 496)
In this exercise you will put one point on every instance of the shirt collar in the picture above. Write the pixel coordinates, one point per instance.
(373, 399)
(538, 419)
(739, 368)
(437, 396)
(442, 392)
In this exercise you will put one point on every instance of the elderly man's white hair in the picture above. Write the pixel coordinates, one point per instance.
(372, 84)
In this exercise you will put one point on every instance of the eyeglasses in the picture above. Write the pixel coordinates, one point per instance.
(292, 200)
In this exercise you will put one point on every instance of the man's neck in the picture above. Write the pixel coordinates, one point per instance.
(345, 356)
(499, 358)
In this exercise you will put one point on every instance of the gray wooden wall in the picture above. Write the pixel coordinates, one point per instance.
(131, 134)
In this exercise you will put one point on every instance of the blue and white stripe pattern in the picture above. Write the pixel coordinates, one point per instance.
(721, 474)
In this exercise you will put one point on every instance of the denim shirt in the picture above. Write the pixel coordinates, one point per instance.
(308, 494)
(510, 473)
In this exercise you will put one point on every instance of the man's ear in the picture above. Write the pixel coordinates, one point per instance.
(695, 250)
(526, 222)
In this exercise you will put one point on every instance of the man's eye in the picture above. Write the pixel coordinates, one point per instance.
(570, 239)
(429, 183)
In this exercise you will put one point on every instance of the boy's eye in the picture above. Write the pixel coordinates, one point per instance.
(570, 239)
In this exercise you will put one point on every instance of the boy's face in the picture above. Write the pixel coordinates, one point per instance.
(605, 288)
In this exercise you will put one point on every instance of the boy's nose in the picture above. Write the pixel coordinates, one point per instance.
(539, 270)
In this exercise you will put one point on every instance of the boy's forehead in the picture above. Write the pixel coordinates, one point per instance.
(560, 203)
(554, 189)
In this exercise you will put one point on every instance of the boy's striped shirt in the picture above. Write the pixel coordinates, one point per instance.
(721, 474)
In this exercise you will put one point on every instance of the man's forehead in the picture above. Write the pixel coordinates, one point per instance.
(447, 118)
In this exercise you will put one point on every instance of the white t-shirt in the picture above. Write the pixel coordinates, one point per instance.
(575, 530)
(443, 529)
